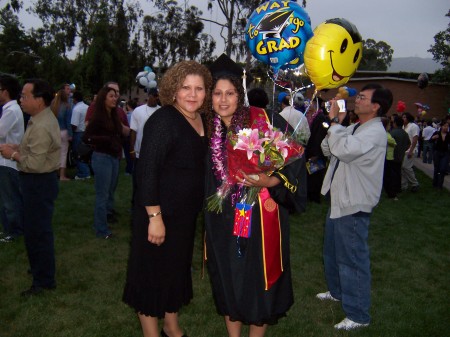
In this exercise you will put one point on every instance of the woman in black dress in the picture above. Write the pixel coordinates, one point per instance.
(244, 290)
(170, 176)
(441, 154)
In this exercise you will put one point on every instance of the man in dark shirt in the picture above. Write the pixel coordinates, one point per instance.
(403, 144)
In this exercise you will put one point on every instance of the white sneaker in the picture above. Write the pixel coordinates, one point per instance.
(326, 296)
(348, 324)
(85, 178)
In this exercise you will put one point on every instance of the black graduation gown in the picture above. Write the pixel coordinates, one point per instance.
(238, 282)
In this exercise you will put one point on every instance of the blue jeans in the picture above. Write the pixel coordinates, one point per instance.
(427, 155)
(347, 263)
(106, 173)
(39, 194)
(83, 170)
(11, 203)
(440, 167)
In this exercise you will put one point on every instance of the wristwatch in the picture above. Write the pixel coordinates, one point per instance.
(334, 120)
(326, 125)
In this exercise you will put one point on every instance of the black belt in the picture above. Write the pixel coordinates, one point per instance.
(37, 173)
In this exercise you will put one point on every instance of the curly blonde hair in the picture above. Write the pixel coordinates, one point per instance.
(174, 77)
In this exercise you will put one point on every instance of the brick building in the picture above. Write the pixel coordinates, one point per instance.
(436, 96)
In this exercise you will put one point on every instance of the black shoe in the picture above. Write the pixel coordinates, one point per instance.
(36, 291)
(109, 236)
(163, 334)
(7, 238)
(415, 188)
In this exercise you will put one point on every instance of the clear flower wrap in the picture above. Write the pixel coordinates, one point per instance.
(259, 149)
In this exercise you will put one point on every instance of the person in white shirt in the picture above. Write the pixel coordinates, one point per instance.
(296, 119)
(11, 132)
(138, 119)
(408, 175)
(427, 132)
(78, 126)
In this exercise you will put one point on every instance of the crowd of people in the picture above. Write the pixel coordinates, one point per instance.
(175, 145)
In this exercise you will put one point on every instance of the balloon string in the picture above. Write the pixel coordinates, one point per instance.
(306, 110)
(286, 88)
(291, 93)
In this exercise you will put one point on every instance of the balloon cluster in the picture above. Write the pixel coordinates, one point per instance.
(421, 109)
(279, 34)
(146, 78)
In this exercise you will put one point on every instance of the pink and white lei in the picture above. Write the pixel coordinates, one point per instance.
(218, 156)
(217, 150)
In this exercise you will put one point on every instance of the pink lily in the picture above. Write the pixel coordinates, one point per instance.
(282, 146)
(250, 142)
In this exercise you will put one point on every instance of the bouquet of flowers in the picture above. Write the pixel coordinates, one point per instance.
(259, 149)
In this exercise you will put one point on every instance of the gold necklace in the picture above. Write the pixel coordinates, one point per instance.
(187, 116)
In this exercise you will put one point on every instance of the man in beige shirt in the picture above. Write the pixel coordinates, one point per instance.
(37, 158)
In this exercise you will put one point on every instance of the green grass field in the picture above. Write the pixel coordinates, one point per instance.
(410, 255)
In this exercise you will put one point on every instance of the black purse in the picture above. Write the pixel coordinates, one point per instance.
(71, 156)
(84, 153)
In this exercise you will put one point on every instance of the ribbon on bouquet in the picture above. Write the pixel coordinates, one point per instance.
(271, 238)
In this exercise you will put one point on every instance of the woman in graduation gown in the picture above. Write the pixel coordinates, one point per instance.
(250, 277)
(170, 176)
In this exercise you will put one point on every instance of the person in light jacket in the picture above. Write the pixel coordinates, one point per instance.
(354, 180)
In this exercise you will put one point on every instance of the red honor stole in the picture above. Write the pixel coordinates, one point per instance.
(271, 238)
(270, 222)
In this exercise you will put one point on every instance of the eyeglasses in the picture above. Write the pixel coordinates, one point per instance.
(25, 97)
(361, 97)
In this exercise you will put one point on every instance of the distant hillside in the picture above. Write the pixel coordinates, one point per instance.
(414, 64)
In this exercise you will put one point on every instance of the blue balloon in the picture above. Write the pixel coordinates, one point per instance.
(351, 92)
(277, 32)
(148, 69)
(294, 64)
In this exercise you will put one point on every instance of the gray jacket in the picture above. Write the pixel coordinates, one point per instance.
(358, 180)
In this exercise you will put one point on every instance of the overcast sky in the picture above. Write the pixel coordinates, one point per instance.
(408, 26)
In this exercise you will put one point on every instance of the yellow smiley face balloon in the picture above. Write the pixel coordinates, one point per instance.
(333, 54)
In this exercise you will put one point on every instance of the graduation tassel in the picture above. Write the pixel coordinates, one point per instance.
(244, 84)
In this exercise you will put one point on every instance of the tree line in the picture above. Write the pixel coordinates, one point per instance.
(115, 39)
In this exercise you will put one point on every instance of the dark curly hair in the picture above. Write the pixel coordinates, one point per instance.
(241, 117)
(100, 116)
(174, 77)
